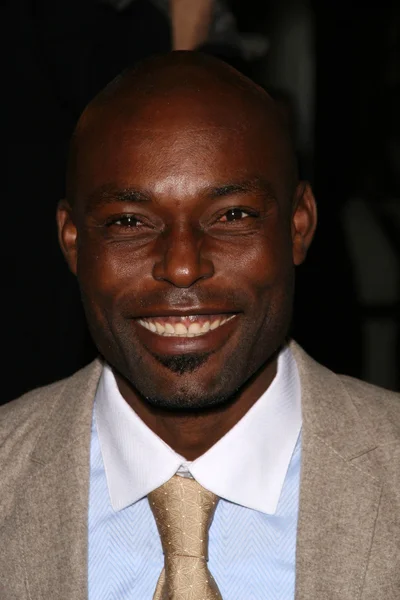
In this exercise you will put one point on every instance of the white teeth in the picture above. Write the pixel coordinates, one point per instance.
(180, 330)
(194, 328)
(160, 328)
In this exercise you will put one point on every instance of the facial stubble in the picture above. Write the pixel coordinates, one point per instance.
(181, 365)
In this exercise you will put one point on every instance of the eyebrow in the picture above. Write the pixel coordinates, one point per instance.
(256, 185)
(109, 193)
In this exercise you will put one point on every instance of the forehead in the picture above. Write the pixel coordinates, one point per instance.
(179, 146)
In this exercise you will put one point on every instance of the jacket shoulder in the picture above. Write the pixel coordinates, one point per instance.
(30, 410)
(328, 394)
(23, 420)
(378, 407)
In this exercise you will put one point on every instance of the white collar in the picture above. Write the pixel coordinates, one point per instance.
(246, 466)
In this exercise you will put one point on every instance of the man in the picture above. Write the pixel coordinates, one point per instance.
(184, 221)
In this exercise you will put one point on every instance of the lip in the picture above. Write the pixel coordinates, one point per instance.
(174, 345)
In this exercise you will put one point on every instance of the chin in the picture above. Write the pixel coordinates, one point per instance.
(183, 364)
(186, 403)
(184, 383)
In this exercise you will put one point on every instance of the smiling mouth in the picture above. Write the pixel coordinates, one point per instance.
(185, 326)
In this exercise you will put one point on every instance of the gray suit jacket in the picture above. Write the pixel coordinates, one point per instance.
(348, 539)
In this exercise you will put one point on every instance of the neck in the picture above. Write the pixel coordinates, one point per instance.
(192, 434)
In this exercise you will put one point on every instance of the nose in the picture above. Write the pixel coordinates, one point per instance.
(182, 262)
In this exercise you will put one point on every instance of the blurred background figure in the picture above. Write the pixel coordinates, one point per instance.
(334, 69)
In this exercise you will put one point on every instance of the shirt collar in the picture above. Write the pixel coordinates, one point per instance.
(246, 466)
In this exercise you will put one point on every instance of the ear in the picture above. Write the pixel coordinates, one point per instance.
(304, 221)
(67, 234)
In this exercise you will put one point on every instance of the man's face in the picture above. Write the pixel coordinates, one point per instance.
(182, 240)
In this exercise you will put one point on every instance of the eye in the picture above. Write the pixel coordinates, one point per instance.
(128, 221)
(235, 214)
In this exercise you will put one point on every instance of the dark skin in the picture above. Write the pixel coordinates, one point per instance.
(183, 202)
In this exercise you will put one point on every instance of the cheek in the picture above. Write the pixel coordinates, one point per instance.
(101, 276)
(260, 263)
(104, 268)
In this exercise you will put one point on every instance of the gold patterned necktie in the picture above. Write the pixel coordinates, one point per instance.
(183, 511)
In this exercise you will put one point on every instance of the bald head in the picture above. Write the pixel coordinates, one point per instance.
(181, 73)
(191, 90)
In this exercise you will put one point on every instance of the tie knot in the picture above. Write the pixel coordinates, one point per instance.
(183, 511)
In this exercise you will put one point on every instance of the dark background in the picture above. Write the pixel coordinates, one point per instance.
(335, 69)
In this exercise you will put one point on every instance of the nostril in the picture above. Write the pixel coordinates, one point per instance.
(182, 262)
(183, 274)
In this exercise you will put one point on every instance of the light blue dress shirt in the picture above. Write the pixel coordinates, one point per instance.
(251, 552)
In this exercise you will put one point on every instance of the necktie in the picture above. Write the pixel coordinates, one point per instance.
(183, 511)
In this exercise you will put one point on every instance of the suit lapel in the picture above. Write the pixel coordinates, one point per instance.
(339, 496)
(52, 508)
